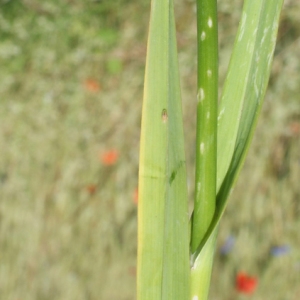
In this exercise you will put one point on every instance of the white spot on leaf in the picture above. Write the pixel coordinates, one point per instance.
(203, 36)
(201, 95)
(202, 146)
(209, 73)
(198, 187)
(210, 22)
(243, 22)
(221, 113)
(195, 297)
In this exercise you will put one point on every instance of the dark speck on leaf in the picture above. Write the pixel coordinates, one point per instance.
(173, 175)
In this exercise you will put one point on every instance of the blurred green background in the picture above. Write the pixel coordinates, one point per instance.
(71, 83)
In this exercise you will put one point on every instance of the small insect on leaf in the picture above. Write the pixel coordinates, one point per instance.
(164, 115)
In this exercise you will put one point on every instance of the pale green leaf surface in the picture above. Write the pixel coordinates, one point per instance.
(163, 241)
(234, 92)
(255, 91)
(244, 91)
(202, 268)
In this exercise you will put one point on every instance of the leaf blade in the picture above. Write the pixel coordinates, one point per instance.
(163, 254)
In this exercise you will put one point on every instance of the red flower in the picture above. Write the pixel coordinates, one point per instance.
(109, 157)
(91, 85)
(91, 188)
(245, 284)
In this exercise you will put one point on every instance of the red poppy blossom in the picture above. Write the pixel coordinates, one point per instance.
(109, 157)
(245, 284)
(91, 85)
(91, 188)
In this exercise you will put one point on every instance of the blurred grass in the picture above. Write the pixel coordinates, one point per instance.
(71, 78)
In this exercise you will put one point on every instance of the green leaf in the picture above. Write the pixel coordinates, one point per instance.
(202, 268)
(257, 81)
(247, 77)
(243, 95)
(163, 240)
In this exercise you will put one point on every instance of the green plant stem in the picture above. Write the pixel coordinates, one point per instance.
(206, 140)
